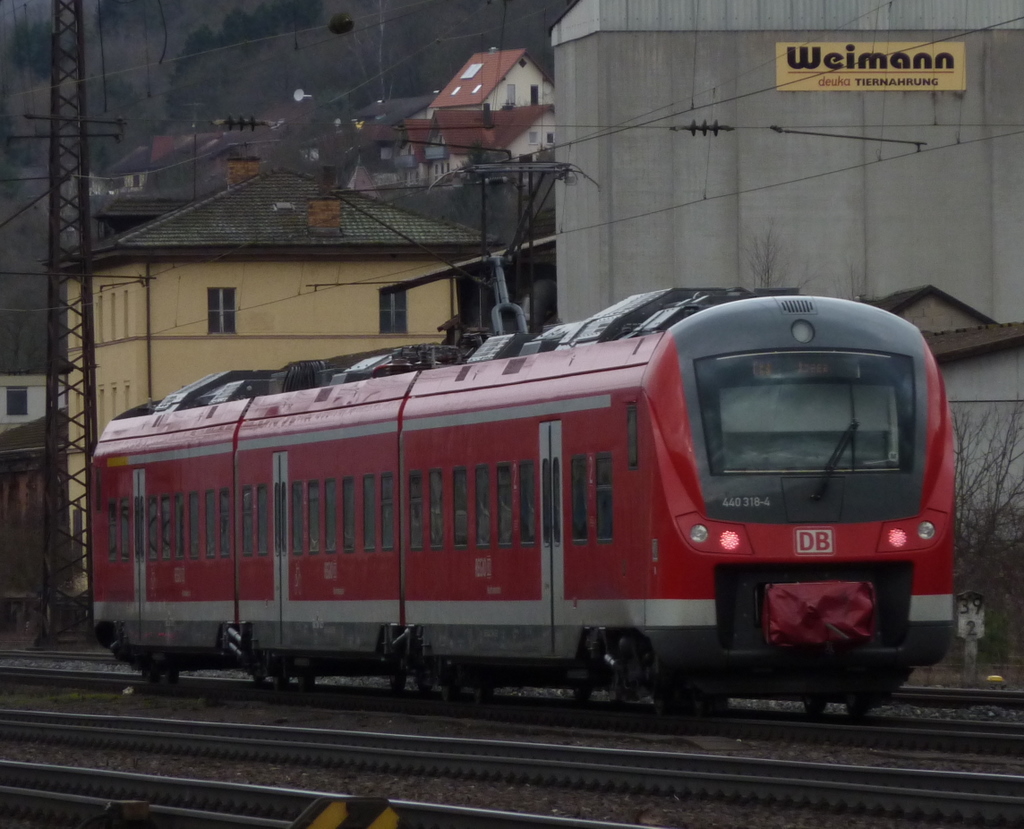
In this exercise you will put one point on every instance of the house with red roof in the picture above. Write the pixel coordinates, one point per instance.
(498, 79)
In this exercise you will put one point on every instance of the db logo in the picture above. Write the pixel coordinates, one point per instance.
(815, 542)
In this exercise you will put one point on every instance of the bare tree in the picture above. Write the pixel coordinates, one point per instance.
(22, 341)
(989, 533)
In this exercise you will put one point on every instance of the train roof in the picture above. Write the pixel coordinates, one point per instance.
(492, 362)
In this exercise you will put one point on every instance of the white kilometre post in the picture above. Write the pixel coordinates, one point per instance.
(970, 626)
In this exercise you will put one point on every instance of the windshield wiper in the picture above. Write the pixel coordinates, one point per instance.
(833, 462)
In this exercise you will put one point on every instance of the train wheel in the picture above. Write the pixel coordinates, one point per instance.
(581, 693)
(450, 692)
(858, 705)
(814, 706)
(172, 676)
(281, 679)
(308, 682)
(397, 682)
(153, 673)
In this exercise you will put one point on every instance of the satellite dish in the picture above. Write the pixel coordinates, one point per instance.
(300, 96)
(337, 122)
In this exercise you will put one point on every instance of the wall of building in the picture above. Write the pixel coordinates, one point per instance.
(35, 397)
(669, 208)
(286, 312)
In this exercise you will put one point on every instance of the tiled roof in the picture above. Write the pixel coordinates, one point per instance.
(465, 127)
(393, 112)
(948, 346)
(899, 301)
(269, 211)
(473, 91)
(26, 437)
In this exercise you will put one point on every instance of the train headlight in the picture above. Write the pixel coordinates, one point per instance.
(698, 533)
(803, 331)
(897, 537)
(926, 530)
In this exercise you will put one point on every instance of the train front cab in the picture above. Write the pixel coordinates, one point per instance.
(808, 530)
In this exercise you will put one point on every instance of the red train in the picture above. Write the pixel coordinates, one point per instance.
(755, 501)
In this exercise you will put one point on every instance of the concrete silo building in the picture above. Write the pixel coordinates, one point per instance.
(897, 158)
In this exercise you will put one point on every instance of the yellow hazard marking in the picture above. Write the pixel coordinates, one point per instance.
(351, 813)
(331, 817)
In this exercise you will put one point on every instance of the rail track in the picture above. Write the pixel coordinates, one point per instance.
(971, 797)
(891, 733)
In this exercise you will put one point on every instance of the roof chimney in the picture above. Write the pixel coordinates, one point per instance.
(324, 216)
(327, 180)
(488, 120)
(242, 169)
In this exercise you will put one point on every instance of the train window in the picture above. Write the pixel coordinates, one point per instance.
(415, 510)
(313, 530)
(153, 527)
(633, 448)
(211, 524)
(165, 525)
(225, 523)
(262, 519)
(483, 506)
(330, 516)
(504, 483)
(369, 513)
(436, 509)
(387, 511)
(112, 530)
(805, 411)
(179, 525)
(297, 518)
(460, 507)
(193, 525)
(604, 497)
(578, 472)
(527, 504)
(126, 532)
(247, 522)
(348, 514)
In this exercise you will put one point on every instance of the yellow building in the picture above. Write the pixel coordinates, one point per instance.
(272, 270)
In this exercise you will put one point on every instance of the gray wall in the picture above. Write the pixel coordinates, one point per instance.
(848, 217)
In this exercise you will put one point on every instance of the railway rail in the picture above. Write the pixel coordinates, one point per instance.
(33, 791)
(964, 736)
(946, 795)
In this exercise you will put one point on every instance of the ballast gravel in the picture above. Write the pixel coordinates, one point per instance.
(644, 810)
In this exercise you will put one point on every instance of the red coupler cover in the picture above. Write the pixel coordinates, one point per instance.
(831, 615)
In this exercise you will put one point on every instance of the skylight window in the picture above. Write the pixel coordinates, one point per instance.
(456, 90)
(471, 72)
(477, 88)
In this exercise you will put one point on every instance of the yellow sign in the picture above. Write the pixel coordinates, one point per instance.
(870, 67)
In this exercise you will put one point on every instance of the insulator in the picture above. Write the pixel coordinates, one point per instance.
(341, 23)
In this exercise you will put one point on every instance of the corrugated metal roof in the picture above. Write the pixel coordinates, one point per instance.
(591, 16)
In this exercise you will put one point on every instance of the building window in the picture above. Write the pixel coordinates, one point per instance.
(534, 94)
(534, 137)
(220, 303)
(392, 313)
(551, 138)
(510, 95)
(17, 400)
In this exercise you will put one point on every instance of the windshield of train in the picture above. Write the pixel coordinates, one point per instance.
(807, 411)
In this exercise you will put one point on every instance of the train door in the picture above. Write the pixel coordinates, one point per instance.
(552, 564)
(139, 522)
(281, 536)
